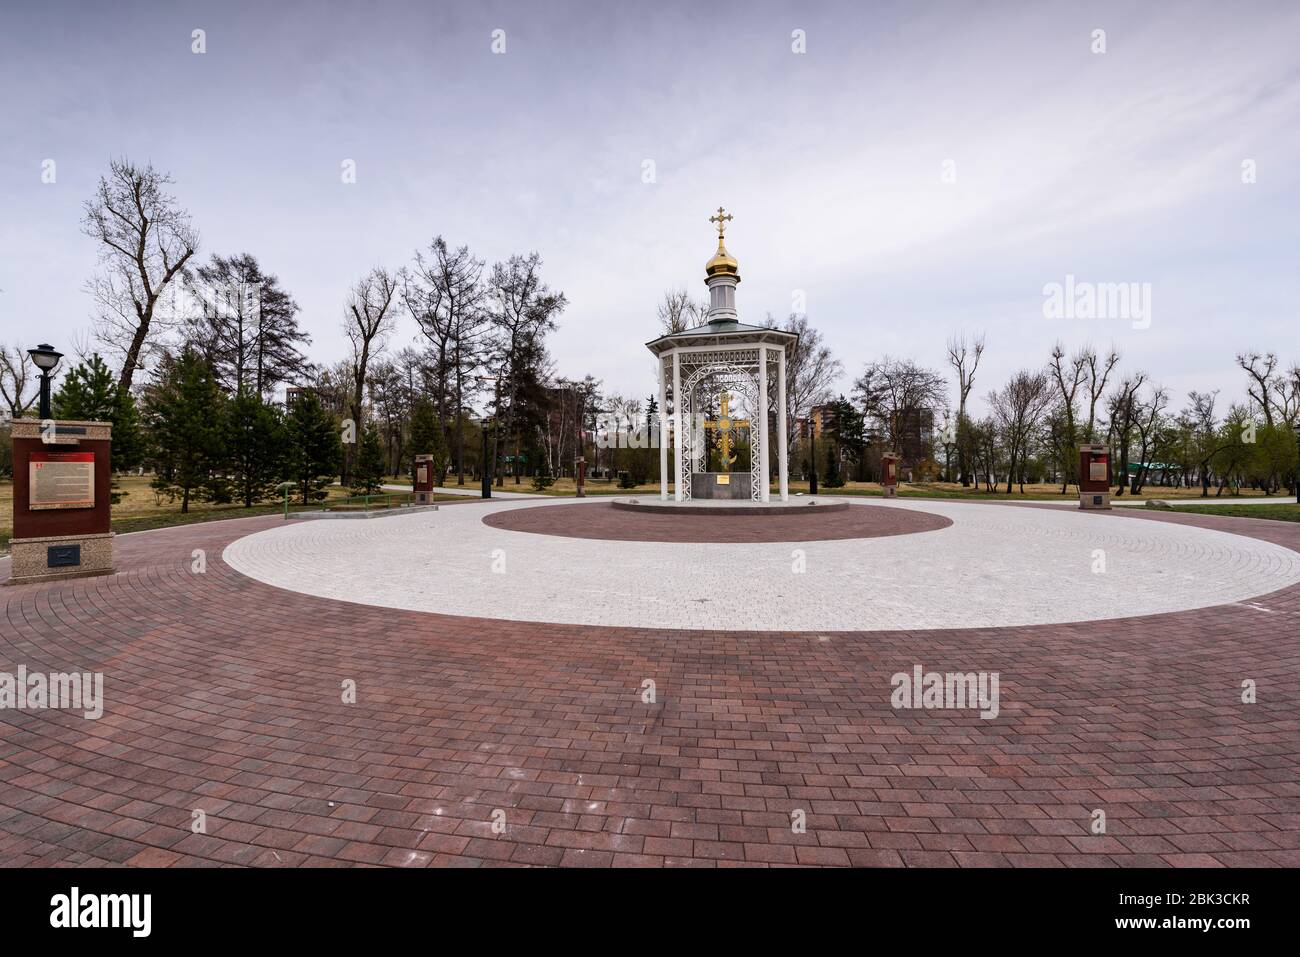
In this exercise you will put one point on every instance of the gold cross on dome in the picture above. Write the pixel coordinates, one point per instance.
(722, 218)
(724, 423)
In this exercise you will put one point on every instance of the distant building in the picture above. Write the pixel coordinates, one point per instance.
(822, 418)
(914, 429)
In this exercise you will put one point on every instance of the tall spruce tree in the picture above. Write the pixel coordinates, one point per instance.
(313, 446)
(427, 439)
(188, 418)
(89, 392)
(258, 447)
(368, 471)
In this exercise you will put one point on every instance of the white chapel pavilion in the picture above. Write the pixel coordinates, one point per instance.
(722, 358)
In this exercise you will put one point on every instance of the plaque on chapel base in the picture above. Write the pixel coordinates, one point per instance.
(62, 493)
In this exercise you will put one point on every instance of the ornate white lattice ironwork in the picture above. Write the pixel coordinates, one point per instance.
(708, 373)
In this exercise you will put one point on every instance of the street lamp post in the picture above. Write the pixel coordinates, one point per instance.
(487, 465)
(1297, 471)
(45, 358)
(812, 458)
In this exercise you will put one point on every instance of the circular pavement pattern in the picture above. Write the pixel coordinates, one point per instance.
(605, 522)
(222, 694)
(993, 566)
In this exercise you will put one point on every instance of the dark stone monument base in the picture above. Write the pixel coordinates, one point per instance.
(726, 485)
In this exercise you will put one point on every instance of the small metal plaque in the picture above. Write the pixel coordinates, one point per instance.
(62, 556)
(61, 480)
(724, 479)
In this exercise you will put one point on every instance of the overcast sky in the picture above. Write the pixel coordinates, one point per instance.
(1124, 166)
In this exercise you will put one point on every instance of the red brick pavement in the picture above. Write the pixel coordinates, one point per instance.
(223, 695)
(602, 521)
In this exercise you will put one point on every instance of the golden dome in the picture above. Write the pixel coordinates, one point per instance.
(722, 263)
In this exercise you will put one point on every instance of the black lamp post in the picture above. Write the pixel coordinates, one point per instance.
(1297, 472)
(812, 458)
(487, 464)
(45, 358)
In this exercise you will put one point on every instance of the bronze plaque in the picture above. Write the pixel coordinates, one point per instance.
(61, 480)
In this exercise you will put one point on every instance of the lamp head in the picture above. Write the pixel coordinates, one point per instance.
(45, 357)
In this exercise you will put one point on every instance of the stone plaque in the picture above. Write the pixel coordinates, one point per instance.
(61, 480)
(1097, 471)
(422, 474)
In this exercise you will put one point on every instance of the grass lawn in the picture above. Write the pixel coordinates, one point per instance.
(142, 509)
(1278, 511)
(1033, 493)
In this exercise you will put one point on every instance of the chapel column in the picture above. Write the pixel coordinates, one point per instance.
(782, 443)
(663, 430)
(678, 425)
(765, 474)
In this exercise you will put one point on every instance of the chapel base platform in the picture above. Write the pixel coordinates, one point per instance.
(804, 506)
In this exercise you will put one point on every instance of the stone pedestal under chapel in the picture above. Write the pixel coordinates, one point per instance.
(725, 359)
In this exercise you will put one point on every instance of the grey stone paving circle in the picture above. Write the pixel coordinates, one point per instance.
(994, 566)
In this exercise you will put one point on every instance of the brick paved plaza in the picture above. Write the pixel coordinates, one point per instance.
(222, 694)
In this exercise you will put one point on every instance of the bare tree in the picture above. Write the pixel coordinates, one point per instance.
(964, 357)
(1149, 422)
(368, 319)
(523, 310)
(1018, 409)
(17, 375)
(145, 241)
(1099, 371)
(892, 391)
(810, 371)
(1069, 376)
(1261, 369)
(1124, 410)
(446, 296)
(679, 312)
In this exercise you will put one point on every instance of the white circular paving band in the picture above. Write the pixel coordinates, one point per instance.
(994, 566)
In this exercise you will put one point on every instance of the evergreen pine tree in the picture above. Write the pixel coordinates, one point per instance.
(544, 478)
(258, 447)
(427, 439)
(187, 413)
(368, 470)
(89, 393)
(314, 447)
(832, 478)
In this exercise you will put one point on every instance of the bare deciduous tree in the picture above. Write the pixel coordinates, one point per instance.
(1261, 368)
(810, 371)
(1069, 376)
(445, 294)
(1099, 371)
(17, 375)
(367, 322)
(145, 241)
(1018, 408)
(679, 312)
(523, 310)
(964, 357)
(1124, 411)
(892, 390)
